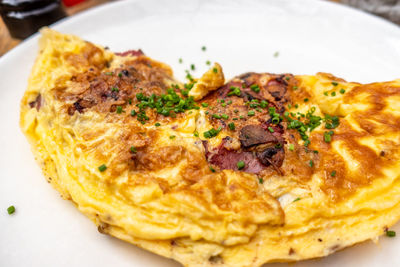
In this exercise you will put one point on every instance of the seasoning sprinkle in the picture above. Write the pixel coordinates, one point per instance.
(102, 168)
(119, 109)
(390, 233)
(11, 210)
(240, 165)
(291, 147)
(212, 132)
(255, 88)
(328, 136)
(216, 116)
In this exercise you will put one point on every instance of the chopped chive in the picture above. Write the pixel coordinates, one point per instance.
(342, 91)
(241, 117)
(261, 180)
(390, 233)
(192, 67)
(231, 126)
(276, 54)
(333, 173)
(133, 112)
(108, 73)
(120, 74)
(287, 78)
(263, 104)
(271, 129)
(295, 87)
(11, 210)
(196, 134)
(297, 199)
(119, 109)
(172, 136)
(208, 62)
(180, 61)
(114, 89)
(240, 165)
(328, 136)
(224, 116)
(212, 169)
(157, 124)
(216, 116)
(251, 113)
(255, 88)
(296, 105)
(334, 83)
(203, 48)
(291, 147)
(102, 167)
(212, 132)
(333, 94)
(326, 93)
(215, 70)
(204, 104)
(133, 149)
(311, 163)
(305, 99)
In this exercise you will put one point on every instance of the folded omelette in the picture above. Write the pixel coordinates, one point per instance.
(261, 168)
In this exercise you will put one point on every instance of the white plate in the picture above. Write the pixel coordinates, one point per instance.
(310, 36)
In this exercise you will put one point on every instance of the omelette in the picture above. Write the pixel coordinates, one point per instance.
(257, 169)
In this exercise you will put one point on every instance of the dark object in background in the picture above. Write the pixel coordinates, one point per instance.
(389, 9)
(69, 3)
(25, 17)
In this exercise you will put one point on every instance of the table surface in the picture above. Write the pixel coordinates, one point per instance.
(7, 42)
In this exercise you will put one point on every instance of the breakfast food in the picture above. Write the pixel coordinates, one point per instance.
(262, 168)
